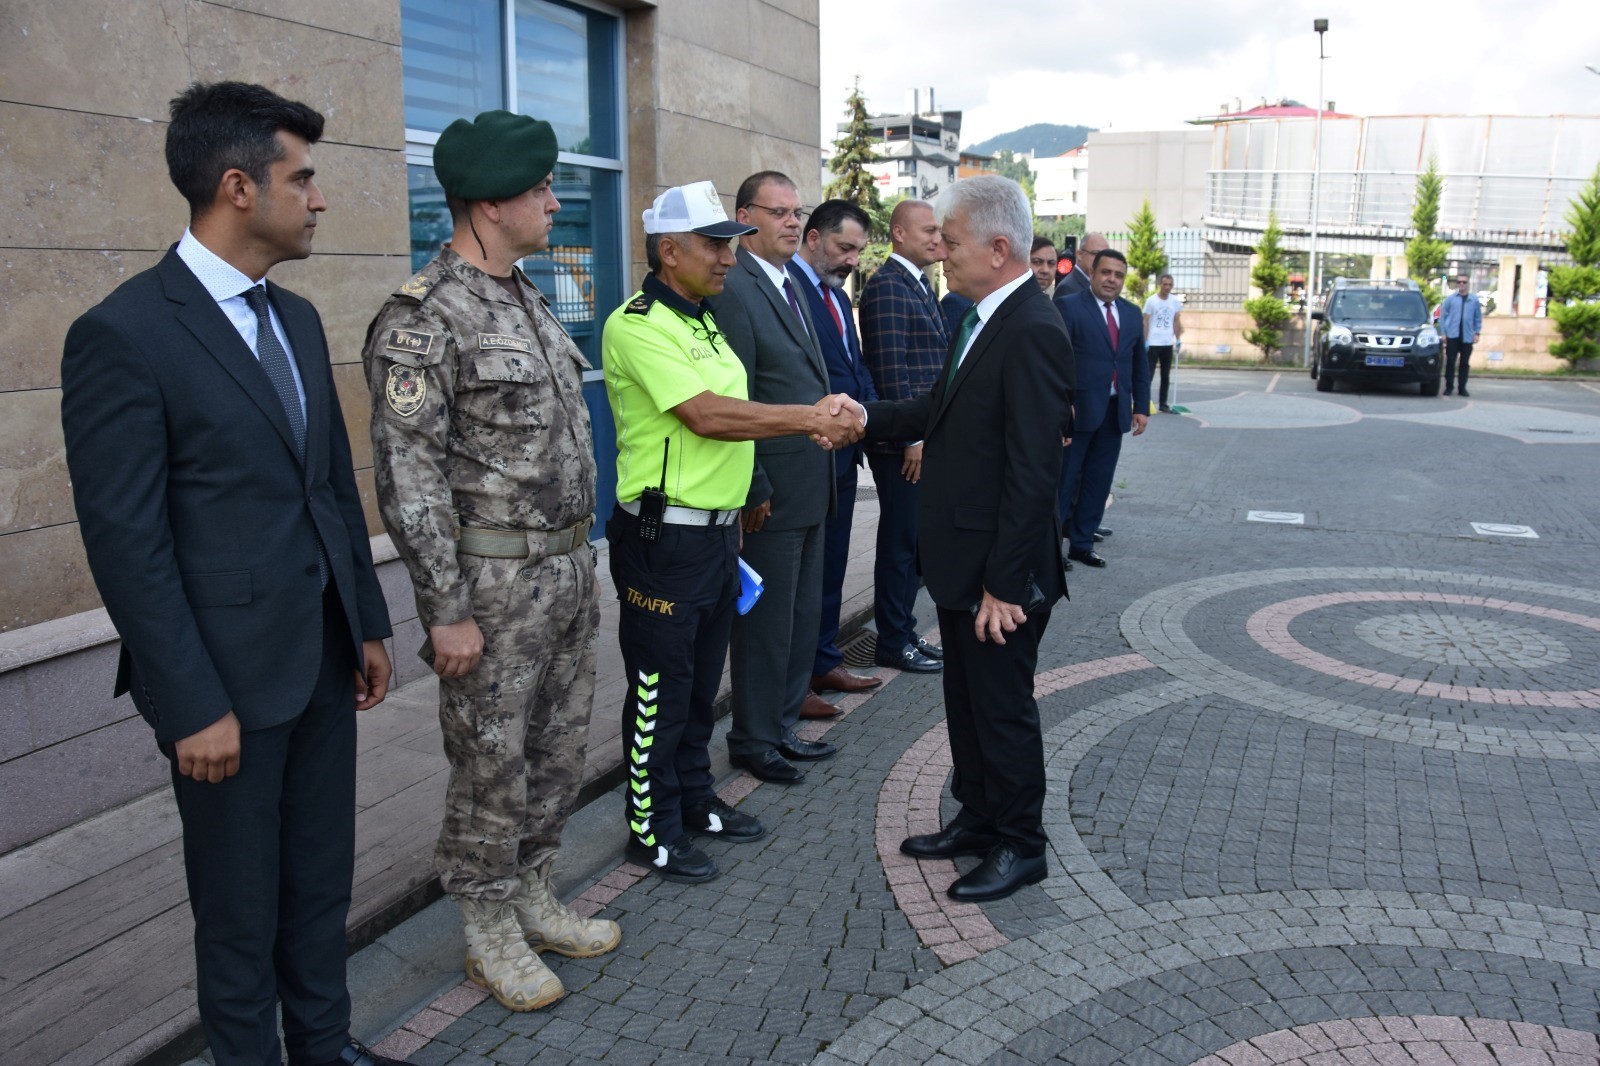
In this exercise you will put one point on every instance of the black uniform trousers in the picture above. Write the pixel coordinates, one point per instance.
(995, 738)
(678, 595)
(269, 854)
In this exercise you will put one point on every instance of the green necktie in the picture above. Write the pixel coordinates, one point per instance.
(969, 323)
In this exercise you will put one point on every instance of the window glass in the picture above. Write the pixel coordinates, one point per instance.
(566, 74)
(579, 273)
(452, 56)
(430, 218)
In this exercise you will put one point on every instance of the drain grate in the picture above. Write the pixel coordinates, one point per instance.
(860, 650)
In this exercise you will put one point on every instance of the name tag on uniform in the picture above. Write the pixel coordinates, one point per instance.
(502, 340)
(409, 340)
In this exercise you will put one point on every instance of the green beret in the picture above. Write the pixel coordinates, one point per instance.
(496, 156)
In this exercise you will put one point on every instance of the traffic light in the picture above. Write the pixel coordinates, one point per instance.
(1067, 255)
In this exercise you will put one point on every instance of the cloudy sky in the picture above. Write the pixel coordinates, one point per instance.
(1152, 66)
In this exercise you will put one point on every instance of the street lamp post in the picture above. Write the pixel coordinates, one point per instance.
(1321, 27)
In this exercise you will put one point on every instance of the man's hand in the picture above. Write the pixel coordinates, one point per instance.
(995, 618)
(837, 425)
(842, 402)
(751, 519)
(211, 754)
(457, 647)
(373, 686)
(1139, 422)
(911, 463)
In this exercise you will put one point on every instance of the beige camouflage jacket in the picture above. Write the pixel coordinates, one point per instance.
(478, 419)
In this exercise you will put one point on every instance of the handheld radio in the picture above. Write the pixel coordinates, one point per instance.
(653, 502)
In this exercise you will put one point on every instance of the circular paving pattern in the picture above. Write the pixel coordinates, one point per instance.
(1451, 640)
(1337, 919)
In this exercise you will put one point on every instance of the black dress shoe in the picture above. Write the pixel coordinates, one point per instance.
(929, 649)
(1462, 391)
(678, 861)
(768, 766)
(356, 1053)
(949, 842)
(998, 876)
(1087, 558)
(714, 818)
(1102, 532)
(1098, 538)
(792, 747)
(909, 659)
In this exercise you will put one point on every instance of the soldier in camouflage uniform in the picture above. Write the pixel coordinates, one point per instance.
(486, 480)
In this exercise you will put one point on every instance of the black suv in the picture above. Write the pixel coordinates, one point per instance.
(1375, 329)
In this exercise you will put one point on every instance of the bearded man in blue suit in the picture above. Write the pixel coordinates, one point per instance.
(1112, 397)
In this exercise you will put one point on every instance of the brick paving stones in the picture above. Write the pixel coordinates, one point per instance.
(1322, 794)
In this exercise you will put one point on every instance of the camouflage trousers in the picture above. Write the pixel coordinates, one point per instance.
(516, 728)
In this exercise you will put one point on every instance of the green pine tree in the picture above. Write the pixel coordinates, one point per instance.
(1146, 259)
(1010, 165)
(852, 154)
(1270, 275)
(1575, 290)
(1425, 255)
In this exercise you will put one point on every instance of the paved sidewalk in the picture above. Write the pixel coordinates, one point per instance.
(1325, 788)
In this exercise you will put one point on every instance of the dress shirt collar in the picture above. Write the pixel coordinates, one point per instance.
(221, 278)
(916, 272)
(987, 306)
(774, 274)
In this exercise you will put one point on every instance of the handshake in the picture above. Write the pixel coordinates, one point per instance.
(839, 421)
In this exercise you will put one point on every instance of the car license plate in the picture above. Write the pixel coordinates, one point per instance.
(1386, 360)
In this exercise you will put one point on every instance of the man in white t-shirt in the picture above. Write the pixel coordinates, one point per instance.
(1162, 328)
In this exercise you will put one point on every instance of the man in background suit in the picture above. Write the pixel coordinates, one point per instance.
(834, 236)
(218, 507)
(1113, 375)
(1078, 280)
(988, 530)
(904, 341)
(763, 316)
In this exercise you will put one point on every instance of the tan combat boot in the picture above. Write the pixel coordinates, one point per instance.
(501, 961)
(550, 926)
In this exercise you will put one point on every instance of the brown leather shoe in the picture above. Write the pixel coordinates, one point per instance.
(817, 707)
(841, 680)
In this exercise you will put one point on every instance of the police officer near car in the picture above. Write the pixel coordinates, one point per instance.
(679, 396)
(485, 473)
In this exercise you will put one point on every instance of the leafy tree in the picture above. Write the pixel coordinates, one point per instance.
(1425, 255)
(1575, 290)
(1146, 259)
(1270, 275)
(1008, 164)
(852, 154)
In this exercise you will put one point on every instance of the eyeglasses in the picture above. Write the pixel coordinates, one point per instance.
(782, 213)
(703, 332)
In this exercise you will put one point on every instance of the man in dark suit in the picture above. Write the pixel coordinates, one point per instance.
(988, 530)
(904, 341)
(1077, 280)
(1113, 374)
(218, 507)
(765, 320)
(834, 236)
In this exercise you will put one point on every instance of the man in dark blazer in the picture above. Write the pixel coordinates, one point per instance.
(988, 530)
(764, 318)
(904, 341)
(1113, 396)
(831, 247)
(1077, 279)
(215, 496)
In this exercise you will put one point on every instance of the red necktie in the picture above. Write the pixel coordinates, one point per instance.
(1116, 339)
(832, 310)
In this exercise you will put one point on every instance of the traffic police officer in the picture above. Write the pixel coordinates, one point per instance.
(684, 425)
(486, 480)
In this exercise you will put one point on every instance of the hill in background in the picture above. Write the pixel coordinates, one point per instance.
(1041, 138)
